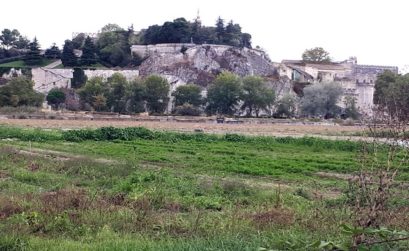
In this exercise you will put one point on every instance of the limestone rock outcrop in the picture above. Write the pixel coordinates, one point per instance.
(200, 64)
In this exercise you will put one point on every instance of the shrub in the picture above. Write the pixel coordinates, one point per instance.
(187, 110)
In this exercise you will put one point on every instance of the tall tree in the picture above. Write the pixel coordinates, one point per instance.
(118, 92)
(391, 94)
(223, 95)
(136, 98)
(256, 95)
(316, 55)
(18, 92)
(321, 100)
(88, 56)
(220, 30)
(157, 90)
(33, 57)
(53, 52)
(9, 37)
(188, 94)
(68, 57)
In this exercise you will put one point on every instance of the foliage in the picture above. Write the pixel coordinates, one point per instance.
(157, 90)
(136, 99)
(68, 57)
(321, 100)
(223, 94)
(13, 39)
(286, 106)
(256, 95)
(88, 56)
(78, 78)
(53, 52)
(391, 94)
(33, 56)
(316, 55)
(113, 47)
(56, 97)
(182, 31)
(19, 92)
(188, 94)
(94, 87)
(117, 94)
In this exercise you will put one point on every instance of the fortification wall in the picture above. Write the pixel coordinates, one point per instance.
(105, 74)
(47, 79)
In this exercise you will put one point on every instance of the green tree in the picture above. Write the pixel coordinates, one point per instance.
(78, 78)
(157, 90)
(18, 92)
(33, 57)
(68, 57)
(316, 55)
(223, 95)
(391, 94)
(99, 102)
(136, 98)
(321, 100)
(56, 97)
(9, 37)
(113, 46)
(382, 84)
(89, 56)
(93, 87)
(78, 41)
(118, 93)
(188, 94)
(256, 95)
(220, 30)
(53, 52)
(286, 106)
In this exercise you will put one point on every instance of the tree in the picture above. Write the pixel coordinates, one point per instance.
(157, 90)
(223, 94)
(188, 94)
(88, 53)
(33, 57)
(78, 41)
(56, 97)
(78, 78)
(220, 30)
(9, 37)
(321, 100)
(53, 52)
(113, 46)
(99, 102)
(286, 106)
(232, 34)
(391, 94)
(316, 55)
(136, 98)
(93, 87)
(256, 96)
(68, 57)
(18, 92)
(117, 94)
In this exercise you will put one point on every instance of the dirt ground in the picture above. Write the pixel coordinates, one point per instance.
(248, 129)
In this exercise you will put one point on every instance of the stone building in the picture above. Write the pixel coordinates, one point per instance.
(357, 80)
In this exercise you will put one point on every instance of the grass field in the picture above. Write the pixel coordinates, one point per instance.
(21, 64)
(112, 189)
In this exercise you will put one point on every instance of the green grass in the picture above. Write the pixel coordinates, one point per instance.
(21, 64)
(136, 189)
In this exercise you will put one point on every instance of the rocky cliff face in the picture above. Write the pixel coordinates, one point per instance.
(200, 64)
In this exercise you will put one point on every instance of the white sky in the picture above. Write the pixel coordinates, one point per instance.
(376, 31)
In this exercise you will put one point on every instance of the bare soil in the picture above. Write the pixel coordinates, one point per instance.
(247, 128)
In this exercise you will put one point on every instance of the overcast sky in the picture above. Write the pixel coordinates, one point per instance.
(375, 31)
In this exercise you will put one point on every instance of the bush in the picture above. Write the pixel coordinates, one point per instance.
(187, 110)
